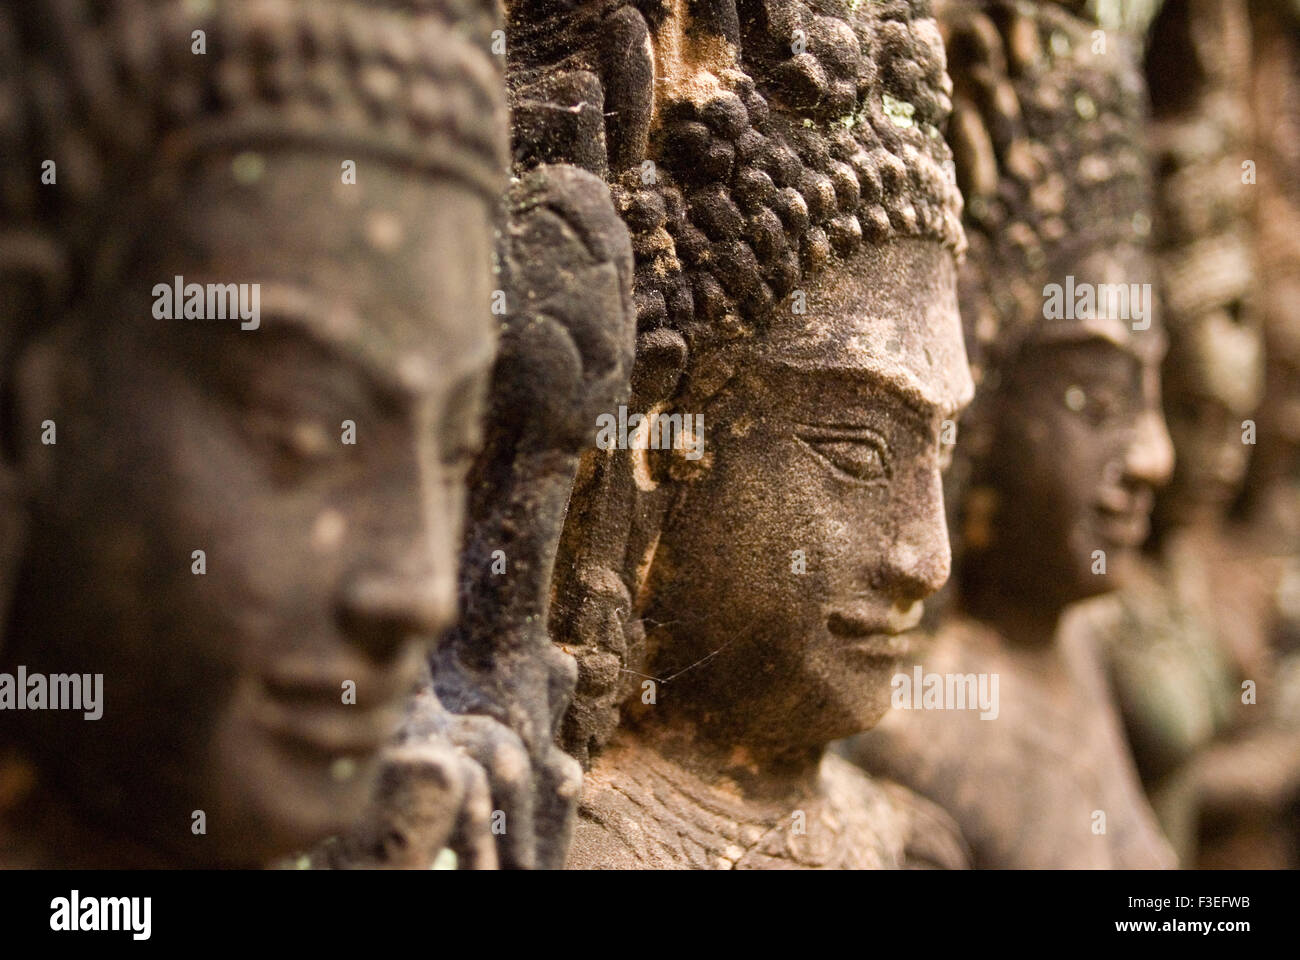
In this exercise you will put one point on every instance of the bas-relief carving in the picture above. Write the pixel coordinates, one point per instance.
(706, 220)
(1059, 456)
(1193, 641)
(325, 563)
(1166, 632)
(766, 589)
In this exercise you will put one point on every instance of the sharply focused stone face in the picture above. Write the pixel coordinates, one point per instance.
(325, 562)
(799, 560)
(794, 217)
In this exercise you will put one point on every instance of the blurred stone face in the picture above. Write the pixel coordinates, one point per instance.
(1213, 375)
(1211, 455)
(1284, 360)
(798, 561)
(328, 565)
(1080, 448)
(1213, 382)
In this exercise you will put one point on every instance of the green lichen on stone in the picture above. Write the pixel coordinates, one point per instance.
(899, 111)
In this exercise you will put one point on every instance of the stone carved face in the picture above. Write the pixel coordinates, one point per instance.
(1213, 376)
(1205, 420)
(325, 562)
(1080, 447)
(828, 444)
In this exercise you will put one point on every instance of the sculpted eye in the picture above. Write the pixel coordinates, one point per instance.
(1100, 404)
(310, 439)
(294, 448)
(861, 457)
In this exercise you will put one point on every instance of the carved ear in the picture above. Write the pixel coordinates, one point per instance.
(627, 76)
(656, 374)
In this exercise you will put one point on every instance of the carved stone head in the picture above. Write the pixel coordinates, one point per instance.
(1066, 443)
(789, 569)
(796, 228)
(341, 164)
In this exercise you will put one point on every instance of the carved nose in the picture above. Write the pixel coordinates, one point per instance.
(380, 613)
(919, 566)
(1149, 459)
(919, 560)
(407, 589)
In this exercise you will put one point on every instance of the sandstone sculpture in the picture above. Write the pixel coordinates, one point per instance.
(1195, 642)
(1247, 785)
(1060, 453)
(247, 525)
(736, 595)
(516, 434)
(1177, 635)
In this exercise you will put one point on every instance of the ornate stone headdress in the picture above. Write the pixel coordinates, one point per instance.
(1048, 138)
(111, 89)
(779, 134)
(749, 145)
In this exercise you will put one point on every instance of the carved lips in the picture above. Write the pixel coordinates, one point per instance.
(315, 712)
(1124, 518)
(875, 633)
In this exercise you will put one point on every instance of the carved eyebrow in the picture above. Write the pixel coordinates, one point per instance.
(335, 329)
(907, 387)
(899, 382)
(1123, 350)
(831, 429)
